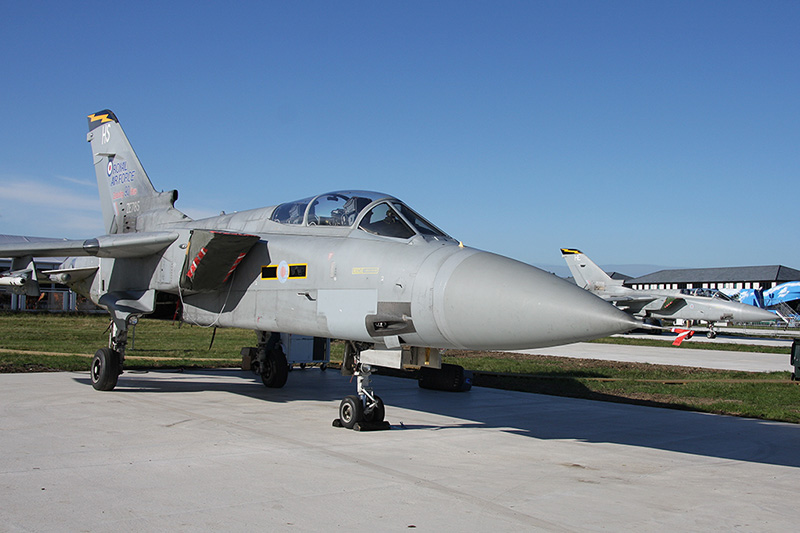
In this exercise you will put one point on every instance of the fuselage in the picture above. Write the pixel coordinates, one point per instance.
(379, 286)
(675, 304)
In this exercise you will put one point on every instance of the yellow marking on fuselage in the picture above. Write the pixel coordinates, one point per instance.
(362, 271)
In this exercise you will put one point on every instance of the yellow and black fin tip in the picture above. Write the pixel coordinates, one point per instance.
(101, 117)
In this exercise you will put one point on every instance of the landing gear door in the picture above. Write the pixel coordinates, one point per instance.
(407, 356)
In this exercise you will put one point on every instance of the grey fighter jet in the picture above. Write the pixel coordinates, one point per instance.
(701, 305)
(353, 265)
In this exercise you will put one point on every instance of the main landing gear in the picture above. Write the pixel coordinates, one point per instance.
(107, 363)
(270, 362)
(365, 410)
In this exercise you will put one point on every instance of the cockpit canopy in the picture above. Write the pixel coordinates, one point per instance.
(373, 212)
(707, 293)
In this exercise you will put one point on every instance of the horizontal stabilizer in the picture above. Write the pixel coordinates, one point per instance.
(212, 258)
(120, 245)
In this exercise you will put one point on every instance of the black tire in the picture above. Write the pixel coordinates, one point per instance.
(711, 335)
(105, 369)
(351, 411)
(276, 370)
(450, 378)
(377, 413)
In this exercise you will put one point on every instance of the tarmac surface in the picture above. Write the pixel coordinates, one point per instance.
(216, 450)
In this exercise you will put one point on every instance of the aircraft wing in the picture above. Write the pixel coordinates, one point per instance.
(672, 305)
(624, 298)
(118, 245)
(635, 303)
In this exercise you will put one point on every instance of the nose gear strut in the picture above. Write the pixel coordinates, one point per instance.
(365, 410)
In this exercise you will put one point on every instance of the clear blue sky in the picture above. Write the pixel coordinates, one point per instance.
(665, 133)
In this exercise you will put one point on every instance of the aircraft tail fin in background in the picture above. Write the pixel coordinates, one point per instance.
(586, 273)
(127, 195)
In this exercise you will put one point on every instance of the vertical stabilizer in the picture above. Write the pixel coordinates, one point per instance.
(586, 273)
(126, 193)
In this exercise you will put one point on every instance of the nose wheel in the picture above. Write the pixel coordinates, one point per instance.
(364, 411)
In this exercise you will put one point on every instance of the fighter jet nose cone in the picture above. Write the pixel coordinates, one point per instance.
(760, 315)
(493, 302)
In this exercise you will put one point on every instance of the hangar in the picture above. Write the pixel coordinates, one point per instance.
(750, 277)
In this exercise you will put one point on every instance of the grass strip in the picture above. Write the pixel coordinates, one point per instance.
(689, 345)
(44, 342)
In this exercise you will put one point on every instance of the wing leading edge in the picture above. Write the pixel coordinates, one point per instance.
(116, 246)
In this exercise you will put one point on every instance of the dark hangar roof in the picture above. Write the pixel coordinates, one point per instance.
(777, 273)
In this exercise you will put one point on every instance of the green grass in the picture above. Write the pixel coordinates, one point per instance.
(67, 342)
(723, 346)
(36, 342)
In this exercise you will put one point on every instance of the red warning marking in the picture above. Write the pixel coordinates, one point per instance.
(195, 262)
(235, 264)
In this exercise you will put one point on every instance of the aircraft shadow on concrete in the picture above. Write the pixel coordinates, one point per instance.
(539, 416)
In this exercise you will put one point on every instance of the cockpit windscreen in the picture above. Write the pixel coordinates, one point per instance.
(383, 220)
(330, 209)
(388, 218)
(707, 293)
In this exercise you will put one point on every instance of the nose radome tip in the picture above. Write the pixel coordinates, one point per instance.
(762, 315)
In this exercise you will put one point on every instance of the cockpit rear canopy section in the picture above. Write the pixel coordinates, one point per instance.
(372, 212)
(707, 293)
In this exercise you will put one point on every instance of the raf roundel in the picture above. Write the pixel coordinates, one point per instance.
(283, 272)
(110, 168)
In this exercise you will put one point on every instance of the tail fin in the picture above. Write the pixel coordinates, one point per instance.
(128, 198)
(587, 274)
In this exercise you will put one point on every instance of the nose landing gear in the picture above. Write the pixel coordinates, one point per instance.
(365, 410)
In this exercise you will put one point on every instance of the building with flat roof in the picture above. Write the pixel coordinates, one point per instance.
(750, 277)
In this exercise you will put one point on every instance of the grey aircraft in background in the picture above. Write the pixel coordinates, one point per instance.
(353, 265)
(701, 305)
